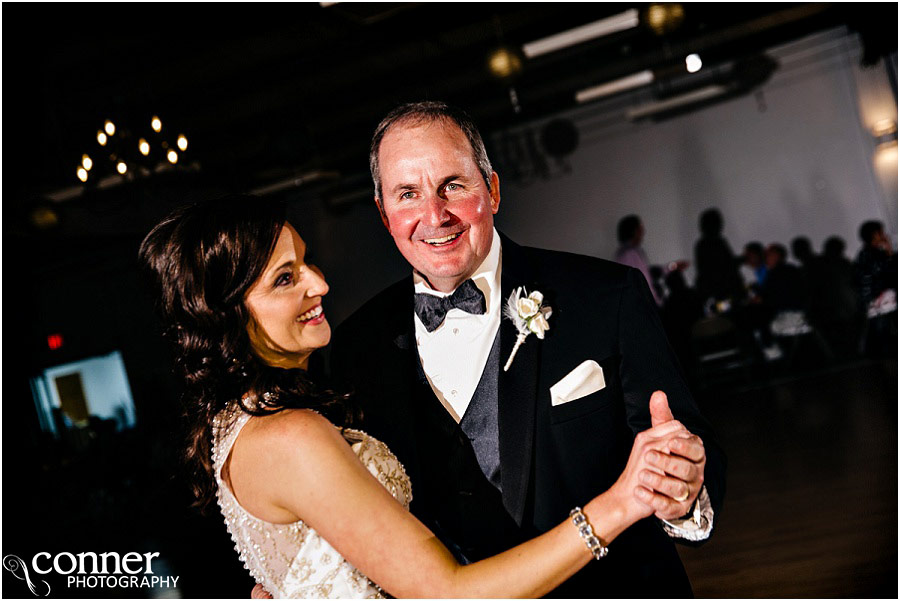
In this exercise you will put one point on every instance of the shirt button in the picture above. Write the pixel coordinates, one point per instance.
(456, 330)
(453, 392)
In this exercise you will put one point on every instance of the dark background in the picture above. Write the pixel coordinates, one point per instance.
(279, 98)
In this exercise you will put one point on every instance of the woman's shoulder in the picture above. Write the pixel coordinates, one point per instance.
(276, 457)
(291, 429)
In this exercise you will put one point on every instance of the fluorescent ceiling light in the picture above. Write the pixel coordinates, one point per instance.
(651, 108)
(609, 88)
(597, 29)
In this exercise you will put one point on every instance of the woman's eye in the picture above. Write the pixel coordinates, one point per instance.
(284, 279)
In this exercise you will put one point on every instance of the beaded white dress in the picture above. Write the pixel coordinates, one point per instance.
(292, 560)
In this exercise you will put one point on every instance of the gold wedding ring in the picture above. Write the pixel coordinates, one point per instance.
(683, 497)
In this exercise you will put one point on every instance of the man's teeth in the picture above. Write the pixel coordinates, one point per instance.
(311, 314)
(442, 240)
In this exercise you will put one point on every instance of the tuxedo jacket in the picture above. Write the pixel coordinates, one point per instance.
(552, 458)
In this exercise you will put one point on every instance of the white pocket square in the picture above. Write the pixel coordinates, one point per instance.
(585, 379)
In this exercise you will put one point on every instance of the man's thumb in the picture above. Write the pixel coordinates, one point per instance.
(659, 409)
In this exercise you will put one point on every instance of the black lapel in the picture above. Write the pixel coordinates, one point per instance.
(517, 389)
(401, 377)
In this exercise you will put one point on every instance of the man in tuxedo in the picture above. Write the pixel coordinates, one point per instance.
(497, 456)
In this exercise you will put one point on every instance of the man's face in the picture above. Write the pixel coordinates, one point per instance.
(437, 205)
(773, 258)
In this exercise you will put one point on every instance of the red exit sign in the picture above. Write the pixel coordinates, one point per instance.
(54, 341)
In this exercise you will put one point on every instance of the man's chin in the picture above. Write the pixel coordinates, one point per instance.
(445, 280)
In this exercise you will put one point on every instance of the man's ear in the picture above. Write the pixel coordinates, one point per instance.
(495, 192)
(381, 212)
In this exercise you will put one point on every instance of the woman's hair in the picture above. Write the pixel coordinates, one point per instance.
(204, 258)
(711, 222)
(627, 228)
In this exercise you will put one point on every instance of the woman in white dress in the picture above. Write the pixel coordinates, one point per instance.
(317, 510)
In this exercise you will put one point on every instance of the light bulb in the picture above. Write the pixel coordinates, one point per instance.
(182, 142)
(86, 162)
(121, 167)
(144, 147)
(82, 174)
(693, 63)
(101, 138)
(156, 124)
(110, 127)
(172, 156)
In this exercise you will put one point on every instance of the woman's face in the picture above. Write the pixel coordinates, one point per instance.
(286, 305)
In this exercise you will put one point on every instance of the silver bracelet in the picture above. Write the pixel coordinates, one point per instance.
(587, 534)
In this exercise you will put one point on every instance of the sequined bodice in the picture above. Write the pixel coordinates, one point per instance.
(292, 560)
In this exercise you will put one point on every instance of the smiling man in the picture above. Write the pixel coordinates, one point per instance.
(497, 456)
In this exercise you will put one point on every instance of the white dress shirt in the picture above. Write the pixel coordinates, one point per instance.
(454, 355)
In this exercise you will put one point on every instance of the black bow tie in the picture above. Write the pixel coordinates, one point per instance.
(432, 309)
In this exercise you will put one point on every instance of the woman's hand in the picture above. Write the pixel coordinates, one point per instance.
(665, 464)
(643, 488)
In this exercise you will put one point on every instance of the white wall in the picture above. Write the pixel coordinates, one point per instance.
(803, 165)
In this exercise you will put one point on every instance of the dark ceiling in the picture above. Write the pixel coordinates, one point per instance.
(271, 92)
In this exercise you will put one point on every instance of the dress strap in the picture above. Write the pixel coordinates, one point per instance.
(227, 424)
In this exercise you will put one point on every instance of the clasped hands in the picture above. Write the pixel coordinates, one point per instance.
(664, 473)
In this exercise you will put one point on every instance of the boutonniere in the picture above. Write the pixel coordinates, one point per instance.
(528, 316)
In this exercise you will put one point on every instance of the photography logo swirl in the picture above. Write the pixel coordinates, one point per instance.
(19, 569)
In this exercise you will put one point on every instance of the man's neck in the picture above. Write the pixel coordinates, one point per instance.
(444, 285)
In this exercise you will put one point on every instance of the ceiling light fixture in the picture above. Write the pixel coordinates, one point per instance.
(629, 82)
(626, 20)
(653, 108)
(693, 63)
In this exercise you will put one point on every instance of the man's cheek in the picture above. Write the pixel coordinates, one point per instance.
(402, 226)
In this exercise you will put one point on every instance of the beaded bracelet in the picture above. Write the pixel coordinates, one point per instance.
(587, 533)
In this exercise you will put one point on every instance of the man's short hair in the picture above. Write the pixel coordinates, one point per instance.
(711, 222)
(801, 248)
(778, 249)
(420, 113)
(755, 247)
(628, 227)
(834, 247)
(868, 230)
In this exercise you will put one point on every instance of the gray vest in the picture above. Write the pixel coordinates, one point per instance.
(480, 419)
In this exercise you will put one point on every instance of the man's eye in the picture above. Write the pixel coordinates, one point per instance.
(452, 187)
(408, 195)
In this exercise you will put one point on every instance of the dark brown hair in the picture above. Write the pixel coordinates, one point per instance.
(203, 259)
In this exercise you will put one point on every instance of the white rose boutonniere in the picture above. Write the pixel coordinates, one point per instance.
(528, 315)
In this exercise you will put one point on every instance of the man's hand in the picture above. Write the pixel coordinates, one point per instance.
(675, 476)
(259, 592)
